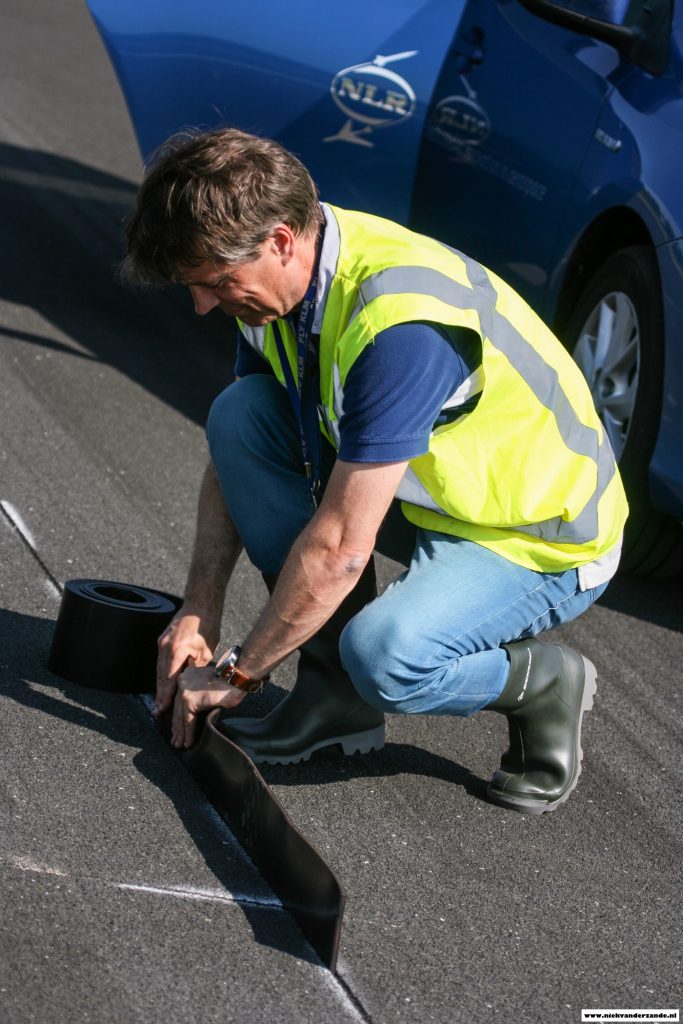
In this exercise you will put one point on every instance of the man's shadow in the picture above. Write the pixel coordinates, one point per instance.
(73, 216)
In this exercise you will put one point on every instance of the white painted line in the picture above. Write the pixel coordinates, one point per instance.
(52, 588)
(25, 863)
(15, 518)
(208, 895)
(338, 991)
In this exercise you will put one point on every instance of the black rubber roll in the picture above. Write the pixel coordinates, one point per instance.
(106, 634)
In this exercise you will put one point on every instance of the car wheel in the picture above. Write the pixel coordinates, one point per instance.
(615, 335)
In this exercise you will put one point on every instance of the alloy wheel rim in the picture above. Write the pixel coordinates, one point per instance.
(608, 353)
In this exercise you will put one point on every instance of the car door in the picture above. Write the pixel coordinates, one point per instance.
(513, 112)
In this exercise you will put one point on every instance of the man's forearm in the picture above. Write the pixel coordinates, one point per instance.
(314, 581)
(325, 562)
(216, 549)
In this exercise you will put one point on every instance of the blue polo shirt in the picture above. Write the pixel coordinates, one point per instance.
(396, 389)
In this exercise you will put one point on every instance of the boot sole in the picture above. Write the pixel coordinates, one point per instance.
(355, 743)
(531, 806)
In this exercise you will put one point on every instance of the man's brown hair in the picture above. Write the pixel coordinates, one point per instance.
(217, 196)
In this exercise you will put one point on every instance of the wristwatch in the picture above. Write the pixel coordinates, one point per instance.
(226, 668)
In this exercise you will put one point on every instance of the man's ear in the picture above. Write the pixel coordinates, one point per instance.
(283, 241)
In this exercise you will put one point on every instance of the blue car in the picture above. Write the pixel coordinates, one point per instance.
(543, 138)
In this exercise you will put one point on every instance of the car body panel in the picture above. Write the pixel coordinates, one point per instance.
(644, 115)
(473, 120)
(499, 191)
(344, 86)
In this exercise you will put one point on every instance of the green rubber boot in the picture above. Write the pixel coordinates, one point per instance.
(323, 709)
(547, 691)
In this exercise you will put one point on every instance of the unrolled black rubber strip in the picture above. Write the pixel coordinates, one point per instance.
(106, 637)
(295, 871)
(106, 634)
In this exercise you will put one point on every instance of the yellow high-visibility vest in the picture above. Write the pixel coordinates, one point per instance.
(528, 473)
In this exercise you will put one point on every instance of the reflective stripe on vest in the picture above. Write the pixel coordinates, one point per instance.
(541, 378)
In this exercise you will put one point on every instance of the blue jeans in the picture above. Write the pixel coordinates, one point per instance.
(431, 643)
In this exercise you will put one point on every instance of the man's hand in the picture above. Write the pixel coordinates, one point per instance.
(189, 639)
(199, 690)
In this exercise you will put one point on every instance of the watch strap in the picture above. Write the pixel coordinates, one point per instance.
(227, 669)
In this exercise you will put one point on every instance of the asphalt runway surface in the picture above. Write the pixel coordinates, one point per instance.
(125, 898)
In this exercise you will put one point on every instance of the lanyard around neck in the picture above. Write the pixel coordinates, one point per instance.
(303, 391)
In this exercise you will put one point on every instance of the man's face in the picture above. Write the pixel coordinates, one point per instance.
(257, 292)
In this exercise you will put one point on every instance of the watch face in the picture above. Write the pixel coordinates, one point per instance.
(224, 668)
(227, 661)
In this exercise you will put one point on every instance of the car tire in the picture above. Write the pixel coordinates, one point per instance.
(615, 333)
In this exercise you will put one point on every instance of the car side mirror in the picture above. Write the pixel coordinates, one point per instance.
(638, 29)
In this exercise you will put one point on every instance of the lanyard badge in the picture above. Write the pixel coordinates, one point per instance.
(302, 393)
